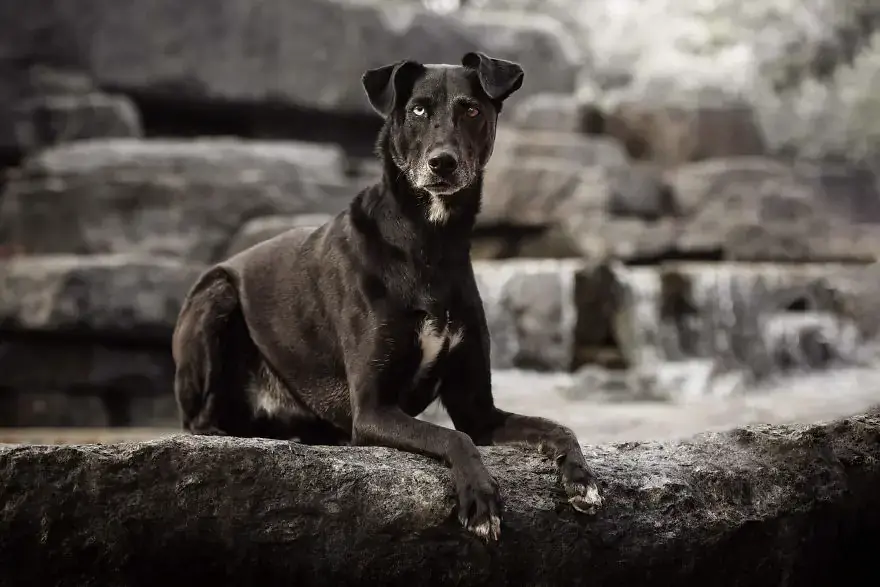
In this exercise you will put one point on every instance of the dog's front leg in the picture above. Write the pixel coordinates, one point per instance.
(377, 420)
(467, 396)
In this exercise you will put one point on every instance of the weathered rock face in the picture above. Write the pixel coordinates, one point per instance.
(98, 296)
(686, 81)
(533, 177)
(756, 506)
(43, 105)
(176, 198)
(266, 54)
(739, 208)
(84, 340)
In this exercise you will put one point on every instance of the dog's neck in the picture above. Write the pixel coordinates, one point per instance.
(417, 215)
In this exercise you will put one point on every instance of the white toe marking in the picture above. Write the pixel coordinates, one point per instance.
(456, 338)
(490, 528)
(495, 522)
(482, 530)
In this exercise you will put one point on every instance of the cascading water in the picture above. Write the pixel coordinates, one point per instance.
(759, 321)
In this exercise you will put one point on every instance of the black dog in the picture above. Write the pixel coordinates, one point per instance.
(345, 333)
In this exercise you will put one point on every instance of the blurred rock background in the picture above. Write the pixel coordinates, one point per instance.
(681, 225)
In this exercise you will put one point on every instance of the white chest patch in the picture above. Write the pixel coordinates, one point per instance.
(432, 340)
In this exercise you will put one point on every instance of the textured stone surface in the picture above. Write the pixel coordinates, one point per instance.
(48, 120)
(806, 69)
(736, 208)
(755, 506)
(552, 112)
(113, 296)
(536, 178)
(266, 53)
(46, 103)
(178, 198)
(756, 209)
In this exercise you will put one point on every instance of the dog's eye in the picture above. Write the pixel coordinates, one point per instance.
(419, 110)
(472, 112)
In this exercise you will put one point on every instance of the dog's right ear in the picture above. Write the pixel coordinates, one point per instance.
(385, 85)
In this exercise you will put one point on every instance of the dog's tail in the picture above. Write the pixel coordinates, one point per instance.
(200, 335)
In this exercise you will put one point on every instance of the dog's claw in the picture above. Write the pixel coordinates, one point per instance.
(489, 530)
(479, 509)
(580, 487)
(585, 499)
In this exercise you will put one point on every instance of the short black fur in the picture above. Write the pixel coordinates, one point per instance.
(345, 333)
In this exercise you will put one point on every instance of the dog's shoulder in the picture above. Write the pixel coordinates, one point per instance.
(271, 254)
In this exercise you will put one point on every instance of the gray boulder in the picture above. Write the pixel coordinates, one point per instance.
(799, 76)
(535, 179)
(737, 208)
(176, 198)
(266, 54)
(42, 105)
(49, 120)
(97, 296)
(757, 506)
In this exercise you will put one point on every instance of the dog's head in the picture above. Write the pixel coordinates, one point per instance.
(440, 119)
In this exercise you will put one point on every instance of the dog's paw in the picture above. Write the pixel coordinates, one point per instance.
(580, 487)
(479, 507)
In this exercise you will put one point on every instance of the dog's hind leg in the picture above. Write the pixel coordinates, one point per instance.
(204, 333)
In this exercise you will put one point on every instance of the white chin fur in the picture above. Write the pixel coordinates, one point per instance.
(438, 212)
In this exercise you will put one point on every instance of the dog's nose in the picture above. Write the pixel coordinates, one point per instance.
(442, 163)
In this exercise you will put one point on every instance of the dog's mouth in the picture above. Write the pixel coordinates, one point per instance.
(442, 187)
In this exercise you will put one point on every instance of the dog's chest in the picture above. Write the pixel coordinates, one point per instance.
(437, 337)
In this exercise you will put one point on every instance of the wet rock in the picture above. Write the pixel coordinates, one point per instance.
(762, 319)
(176, 198)
(531, 308)
(114, 296)
(265, 54)
(804, 496)
(261, 229)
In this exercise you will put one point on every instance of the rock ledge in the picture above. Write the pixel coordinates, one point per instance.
(764, 505)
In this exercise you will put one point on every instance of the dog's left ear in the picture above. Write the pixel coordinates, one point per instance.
(385, 85)
(499, 78)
